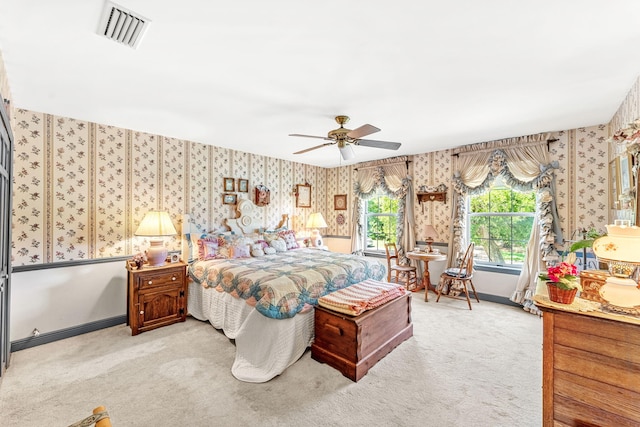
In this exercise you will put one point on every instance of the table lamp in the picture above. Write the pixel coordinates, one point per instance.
(619, 248)
(314, 222)
(430, 236)
(156, 225)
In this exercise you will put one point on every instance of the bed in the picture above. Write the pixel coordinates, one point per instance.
(265, 303)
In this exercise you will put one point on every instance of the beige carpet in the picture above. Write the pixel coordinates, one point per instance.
(461, 368)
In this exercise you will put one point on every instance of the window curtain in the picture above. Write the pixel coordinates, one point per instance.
(525, 166)
(391, 176)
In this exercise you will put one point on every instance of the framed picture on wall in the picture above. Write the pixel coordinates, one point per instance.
(340, 202)
(303, 195)
(229, 199)
(229, 184)
(243, 185)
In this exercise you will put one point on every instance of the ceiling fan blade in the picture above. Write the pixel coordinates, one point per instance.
(363, 130)
(378, 144)
(314, 148)
(311, 136)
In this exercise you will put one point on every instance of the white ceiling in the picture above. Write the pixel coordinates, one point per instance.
(244, 74)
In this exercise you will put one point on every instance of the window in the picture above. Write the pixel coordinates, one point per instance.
(381, 213)
(500, 223)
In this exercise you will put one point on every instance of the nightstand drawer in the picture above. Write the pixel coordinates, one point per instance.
(159, 278)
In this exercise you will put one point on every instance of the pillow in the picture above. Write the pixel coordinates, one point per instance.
(454, 271)
(207, 248)
(224, 252)
(240, 251)
(289, 238)
(263, 243)
(269, 251)
(257, 250)
(279, 245)
(269, 237)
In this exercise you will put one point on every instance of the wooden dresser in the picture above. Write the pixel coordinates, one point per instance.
(591, 368)
(157, 296)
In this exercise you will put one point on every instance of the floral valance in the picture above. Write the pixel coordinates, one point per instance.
(498, 166)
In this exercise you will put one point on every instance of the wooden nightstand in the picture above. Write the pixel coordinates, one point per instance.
(157, 296)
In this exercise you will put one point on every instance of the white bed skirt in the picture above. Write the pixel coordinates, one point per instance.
(264, 347)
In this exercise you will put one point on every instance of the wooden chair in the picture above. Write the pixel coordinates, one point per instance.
(100, 418)
(456, 280)
(404, 273)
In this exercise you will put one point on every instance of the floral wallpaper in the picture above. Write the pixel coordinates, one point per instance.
(109, 229)
(431, 170)
(82, 188)
(339, 181)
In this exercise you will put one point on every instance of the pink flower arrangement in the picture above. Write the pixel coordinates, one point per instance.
(563, 275)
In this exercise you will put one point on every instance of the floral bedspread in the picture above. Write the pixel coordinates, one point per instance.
(280, 285)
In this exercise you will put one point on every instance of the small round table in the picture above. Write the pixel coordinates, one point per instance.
(425, 257)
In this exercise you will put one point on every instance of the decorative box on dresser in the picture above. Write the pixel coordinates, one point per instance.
(591, 281)
(157, 296)
(590, 366)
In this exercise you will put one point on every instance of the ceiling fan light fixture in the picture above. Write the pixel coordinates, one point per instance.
(346, 139)
(347, 152)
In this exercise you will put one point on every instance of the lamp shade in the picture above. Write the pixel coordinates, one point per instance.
(316, 220)
(347, 152)
(156, 223)
(620, 244)
(430, 232)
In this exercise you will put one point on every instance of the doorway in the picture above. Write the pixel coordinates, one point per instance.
(6, 165)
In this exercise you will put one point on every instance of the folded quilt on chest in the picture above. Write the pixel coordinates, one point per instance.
(280, 285)
(361, 297)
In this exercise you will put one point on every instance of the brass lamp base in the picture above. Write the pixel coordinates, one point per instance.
(429, 242)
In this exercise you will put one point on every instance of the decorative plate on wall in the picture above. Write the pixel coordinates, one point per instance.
(340, 219)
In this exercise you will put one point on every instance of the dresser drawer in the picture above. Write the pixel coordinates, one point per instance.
(153, 279)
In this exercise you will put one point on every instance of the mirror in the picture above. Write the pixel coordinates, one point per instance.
(623, 179)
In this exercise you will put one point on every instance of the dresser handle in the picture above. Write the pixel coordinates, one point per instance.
(173, 278)
(142, 312)
(150, 282)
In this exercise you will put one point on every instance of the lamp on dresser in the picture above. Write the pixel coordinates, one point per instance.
(619, 248)
(315, 221)
(156, 225)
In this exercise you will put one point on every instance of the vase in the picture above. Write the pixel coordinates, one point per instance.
(562, 296)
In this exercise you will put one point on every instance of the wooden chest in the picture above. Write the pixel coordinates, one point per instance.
(353, 345)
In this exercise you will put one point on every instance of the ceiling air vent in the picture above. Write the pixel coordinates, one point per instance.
(122, 25)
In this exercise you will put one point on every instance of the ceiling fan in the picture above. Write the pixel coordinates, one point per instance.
(345, 138)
